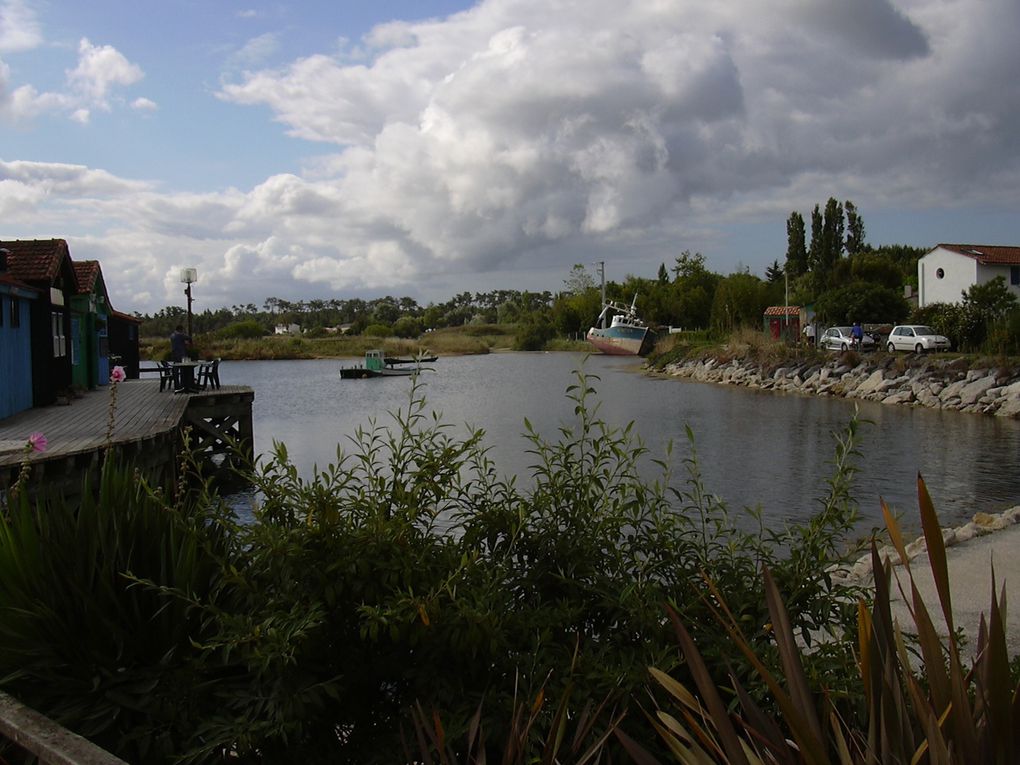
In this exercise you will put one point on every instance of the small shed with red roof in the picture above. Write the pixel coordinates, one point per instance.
(782, 322)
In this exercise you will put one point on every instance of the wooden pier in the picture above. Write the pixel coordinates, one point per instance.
(147, 431)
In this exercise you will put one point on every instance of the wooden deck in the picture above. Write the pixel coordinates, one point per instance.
(145, 420)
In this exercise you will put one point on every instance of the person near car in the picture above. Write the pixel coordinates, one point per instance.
(857, 333)
(809, 334)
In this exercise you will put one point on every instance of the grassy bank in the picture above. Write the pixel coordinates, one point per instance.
(757, 347)
(444, 342)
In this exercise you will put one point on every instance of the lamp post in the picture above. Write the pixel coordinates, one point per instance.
(189, 276)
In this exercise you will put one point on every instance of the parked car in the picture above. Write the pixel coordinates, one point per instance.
(842, 339)
(918, 338)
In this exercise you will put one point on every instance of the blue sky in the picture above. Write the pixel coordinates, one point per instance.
(325, 149)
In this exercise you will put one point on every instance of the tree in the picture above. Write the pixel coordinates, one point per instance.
(991, 300)
(579, 280)
(775, 272)
(832, 236)
(854, 229)
(688, 264)
(740, 301)
(663, 274)
(815, 254)
(864, 302)
(796, 251)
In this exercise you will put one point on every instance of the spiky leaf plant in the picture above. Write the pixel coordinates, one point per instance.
(932, 709)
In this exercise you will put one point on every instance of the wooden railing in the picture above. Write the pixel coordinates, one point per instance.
(51, 743)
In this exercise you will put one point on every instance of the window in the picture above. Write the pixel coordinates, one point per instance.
(59, 339)
(940, 273)
(1014, 275)
(15, 313)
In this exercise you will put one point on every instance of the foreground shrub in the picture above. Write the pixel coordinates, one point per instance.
(411, 572)
(80, 641)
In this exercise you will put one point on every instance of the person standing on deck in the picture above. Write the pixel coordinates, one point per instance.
(180, 344)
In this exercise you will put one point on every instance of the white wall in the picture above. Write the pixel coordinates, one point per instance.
(987, 273)
(958, 274)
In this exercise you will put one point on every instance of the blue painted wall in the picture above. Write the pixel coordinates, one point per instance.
(15, 356)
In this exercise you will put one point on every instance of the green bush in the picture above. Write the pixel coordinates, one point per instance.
(408, 571)
(378, 330)
(242, 330)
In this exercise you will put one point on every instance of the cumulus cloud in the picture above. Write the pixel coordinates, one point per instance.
(101, 68)
(528, 133)
(19, 29)
(100, 71)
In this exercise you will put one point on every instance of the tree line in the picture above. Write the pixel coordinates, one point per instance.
(831, 268)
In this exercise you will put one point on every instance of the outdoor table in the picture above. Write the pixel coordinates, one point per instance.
(185, 376)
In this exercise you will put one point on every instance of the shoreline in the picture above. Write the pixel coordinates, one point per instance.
(887, 379)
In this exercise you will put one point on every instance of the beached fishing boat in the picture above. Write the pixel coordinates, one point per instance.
(626, 335)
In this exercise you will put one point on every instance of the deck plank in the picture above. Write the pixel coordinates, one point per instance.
(142, 411)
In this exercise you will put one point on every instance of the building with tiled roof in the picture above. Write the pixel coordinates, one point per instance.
(16, 300)
(45, 264)
(949, 270)
(40, 261)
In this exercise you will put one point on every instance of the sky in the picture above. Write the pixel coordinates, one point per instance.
(324, 149)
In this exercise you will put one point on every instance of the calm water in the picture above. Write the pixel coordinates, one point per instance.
(754, 448)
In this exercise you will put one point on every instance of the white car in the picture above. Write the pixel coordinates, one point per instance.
(918, 338)
(841, 339)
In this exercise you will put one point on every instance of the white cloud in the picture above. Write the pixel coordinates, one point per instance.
(524, 132)
(255, 51)
(143, 104)
(19, 29)
(100, 71)
(100, 68)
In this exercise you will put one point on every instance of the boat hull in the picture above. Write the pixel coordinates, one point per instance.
(621, 341)
(360, 373)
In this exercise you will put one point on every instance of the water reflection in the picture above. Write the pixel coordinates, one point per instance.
(754, 448)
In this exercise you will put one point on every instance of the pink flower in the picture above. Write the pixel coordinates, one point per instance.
(118, 375)
(37, 442)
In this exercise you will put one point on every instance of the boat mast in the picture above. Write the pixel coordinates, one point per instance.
(602, 274)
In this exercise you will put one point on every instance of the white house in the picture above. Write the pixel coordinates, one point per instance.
(288, 329)
(949, 270)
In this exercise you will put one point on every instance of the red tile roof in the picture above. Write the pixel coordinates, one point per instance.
(35, 260)
(986, 254)
(783, 310)
(87, 272)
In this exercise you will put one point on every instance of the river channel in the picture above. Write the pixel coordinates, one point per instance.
(754, 448)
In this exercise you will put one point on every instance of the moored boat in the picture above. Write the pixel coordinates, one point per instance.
(378, 365)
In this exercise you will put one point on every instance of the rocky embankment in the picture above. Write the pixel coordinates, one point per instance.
(890, 379)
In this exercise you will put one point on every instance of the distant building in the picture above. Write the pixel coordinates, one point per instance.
(782, 322)
(288, 329)
(949, 270)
